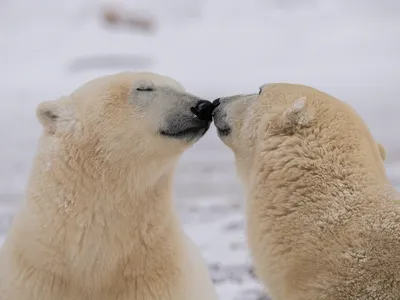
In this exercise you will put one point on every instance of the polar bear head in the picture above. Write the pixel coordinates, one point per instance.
(252, 125)
(139, 120)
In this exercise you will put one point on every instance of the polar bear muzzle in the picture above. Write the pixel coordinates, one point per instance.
(228, 108)
(190, 125)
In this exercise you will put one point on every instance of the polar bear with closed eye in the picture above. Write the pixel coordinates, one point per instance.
(98, 221)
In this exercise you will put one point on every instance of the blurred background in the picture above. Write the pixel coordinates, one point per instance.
(348, 48)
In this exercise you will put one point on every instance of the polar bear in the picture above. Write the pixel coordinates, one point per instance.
(321, 215)
(98, 221)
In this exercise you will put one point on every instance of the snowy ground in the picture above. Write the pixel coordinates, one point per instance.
(214, 47)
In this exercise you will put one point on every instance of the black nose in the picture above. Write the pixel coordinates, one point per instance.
(216, 102)
(203, 110)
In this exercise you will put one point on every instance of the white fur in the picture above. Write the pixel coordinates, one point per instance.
(98, 221)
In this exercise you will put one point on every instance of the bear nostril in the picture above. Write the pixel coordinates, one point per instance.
(216, 102)
(194, 110)
(203, 110)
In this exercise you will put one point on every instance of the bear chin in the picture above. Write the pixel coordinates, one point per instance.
(190, 133)
(225, 131)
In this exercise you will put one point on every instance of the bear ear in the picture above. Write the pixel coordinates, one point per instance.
(51, 114)
(382, 151)
(298, 113)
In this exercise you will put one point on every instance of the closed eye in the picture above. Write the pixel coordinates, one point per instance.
(145, 89)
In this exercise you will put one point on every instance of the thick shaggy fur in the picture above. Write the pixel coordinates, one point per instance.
(98, 221)
(323, 222)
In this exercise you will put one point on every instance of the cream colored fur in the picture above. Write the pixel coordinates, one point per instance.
(322, 219)
(98, 221)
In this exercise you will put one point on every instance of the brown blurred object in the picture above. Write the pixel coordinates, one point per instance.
(118, 17)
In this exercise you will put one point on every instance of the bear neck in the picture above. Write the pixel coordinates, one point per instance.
(128, 188)
(313, 166)
(99, 220)
(309, 187)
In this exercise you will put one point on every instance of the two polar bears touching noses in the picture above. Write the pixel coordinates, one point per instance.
(98, 221)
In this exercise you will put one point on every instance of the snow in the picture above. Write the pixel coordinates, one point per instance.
(214, 47)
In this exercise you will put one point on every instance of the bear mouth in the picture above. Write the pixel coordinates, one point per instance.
(224, 131)
(187, 133)
(219, 117)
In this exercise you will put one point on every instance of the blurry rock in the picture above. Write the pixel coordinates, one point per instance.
(111, 16)
(115, 16)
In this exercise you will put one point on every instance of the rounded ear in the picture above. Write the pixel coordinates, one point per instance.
(53, 113)
(298, 113)
(382, 151)
(47, 113)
